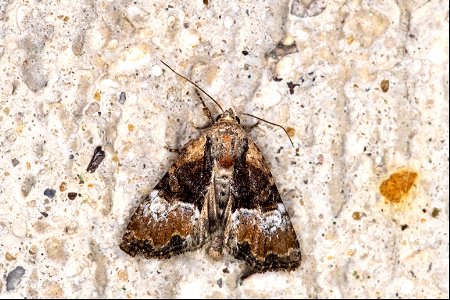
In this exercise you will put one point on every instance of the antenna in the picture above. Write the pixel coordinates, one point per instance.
(270, 124)
(193, 83)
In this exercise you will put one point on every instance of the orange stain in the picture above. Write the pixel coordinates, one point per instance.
(62, 186)
(356, 215)
(350, 39)
(290, 131)
(97, 96)
(398, 185)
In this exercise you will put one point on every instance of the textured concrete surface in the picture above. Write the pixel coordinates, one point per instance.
(362, 84)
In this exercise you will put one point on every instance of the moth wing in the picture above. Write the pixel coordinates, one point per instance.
(169, 220)
(258, 228)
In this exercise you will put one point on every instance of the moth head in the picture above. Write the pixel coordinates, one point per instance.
(228, 116)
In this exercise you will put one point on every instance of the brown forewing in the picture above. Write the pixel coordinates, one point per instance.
(168, 221)
(259, 230)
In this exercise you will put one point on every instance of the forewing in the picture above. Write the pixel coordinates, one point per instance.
(258, 228)
(169, 220)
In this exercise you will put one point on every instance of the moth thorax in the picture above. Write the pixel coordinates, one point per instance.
(227, 152)
(226, 161)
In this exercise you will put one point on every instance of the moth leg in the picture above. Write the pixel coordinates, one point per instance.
(202, 127)
(205, 109)
(246, 273)
(250, 127)
(172, 150)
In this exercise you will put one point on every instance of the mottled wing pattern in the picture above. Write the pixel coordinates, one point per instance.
(169, 220)
(258, 228)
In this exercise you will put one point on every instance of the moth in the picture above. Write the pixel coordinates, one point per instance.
(219, 192)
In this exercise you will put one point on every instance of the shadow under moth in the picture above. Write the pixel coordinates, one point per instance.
(219, 193)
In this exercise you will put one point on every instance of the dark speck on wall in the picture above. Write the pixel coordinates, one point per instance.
(50, 193)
